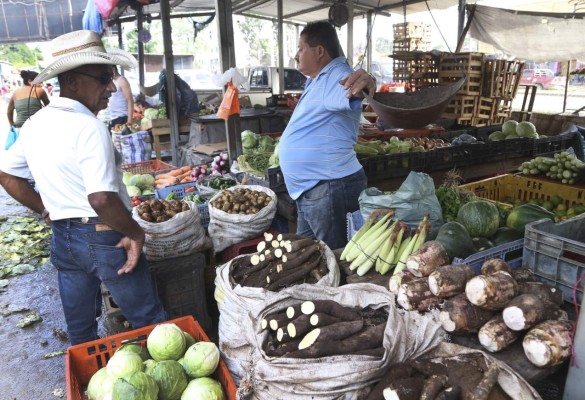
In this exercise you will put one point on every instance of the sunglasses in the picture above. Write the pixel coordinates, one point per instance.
(105, 78)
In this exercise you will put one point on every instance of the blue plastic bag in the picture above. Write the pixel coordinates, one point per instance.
(12, 136)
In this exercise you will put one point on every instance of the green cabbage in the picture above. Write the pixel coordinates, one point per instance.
(170, 378)
(148, 365)
(249, 139)
(123, 364)
(150, 113)
(148, 190)
(135, 348)
(526, 129)
(100, 385)
(166, 342)
(126, 176)
(147, 180)
(189, 340)
(509, 127)
(162, 112)
(137, 386)
(203, 389)
(133, 191)
(274, 160)
(266, 144)
(201, 359)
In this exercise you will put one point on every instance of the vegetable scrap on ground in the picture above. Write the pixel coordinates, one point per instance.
(25, 244)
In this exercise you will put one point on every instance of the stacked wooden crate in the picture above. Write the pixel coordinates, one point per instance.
(412, 62)
(490, 86)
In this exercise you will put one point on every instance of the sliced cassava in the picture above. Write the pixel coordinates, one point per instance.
(459, 316)
(331, 332)
(430, 256)
(304, 323)
(495, 265)
(527, 310)
(492, 292)
(495, 336)
(416, 295)
(548, 343)
(400, 278)
(449, 280)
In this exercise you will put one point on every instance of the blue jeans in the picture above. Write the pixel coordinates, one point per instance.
(322, 210)
(85, 257)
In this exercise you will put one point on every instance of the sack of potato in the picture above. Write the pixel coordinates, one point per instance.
(240, 213)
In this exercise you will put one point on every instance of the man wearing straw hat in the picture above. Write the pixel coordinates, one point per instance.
(71, 157)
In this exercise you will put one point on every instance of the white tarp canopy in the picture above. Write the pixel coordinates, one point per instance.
(534, 36)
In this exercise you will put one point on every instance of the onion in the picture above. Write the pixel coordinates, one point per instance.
(222, 163)
(224, 156)
(216, 159)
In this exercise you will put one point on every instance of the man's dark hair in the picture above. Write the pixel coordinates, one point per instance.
(322, 33)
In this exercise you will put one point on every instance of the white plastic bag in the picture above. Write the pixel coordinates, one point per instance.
(236, 335)
(135, 147)
(181, 235)
(407, 335)
(228, 229)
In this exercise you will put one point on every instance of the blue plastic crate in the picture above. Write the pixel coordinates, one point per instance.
(507, 251)
(179, 191)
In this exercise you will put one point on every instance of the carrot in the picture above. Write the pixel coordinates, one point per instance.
(186, 179)
(186, 168)
(190, 188)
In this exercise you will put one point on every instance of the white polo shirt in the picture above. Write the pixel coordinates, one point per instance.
(70, 155)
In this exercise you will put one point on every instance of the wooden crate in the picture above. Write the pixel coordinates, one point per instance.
(461, 106)
(503, 111)
(413, 44)
(453, 66)
(411, 30)
(161, 133)
(486, 108)
(501, 78)
(418, 69)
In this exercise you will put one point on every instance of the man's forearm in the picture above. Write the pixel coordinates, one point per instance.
(20, 190)
(112, 212)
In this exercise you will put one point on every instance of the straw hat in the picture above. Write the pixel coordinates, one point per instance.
(78, 48)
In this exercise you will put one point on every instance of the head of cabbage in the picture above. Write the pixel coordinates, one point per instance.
(100, 385)
(249, 139)
(166, 342)
(201, 359)
(138, 386)
(170, 378)
(135, 348)
(203, 389)
(124, 363)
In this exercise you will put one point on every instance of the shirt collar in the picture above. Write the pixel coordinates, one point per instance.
(332, 63)
(69, 104)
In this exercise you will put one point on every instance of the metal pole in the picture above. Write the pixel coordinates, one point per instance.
(228, 60)
(139, 20)
(350, 34)
(370, 28)
(280, 48)
(172, 112)
(461, 18)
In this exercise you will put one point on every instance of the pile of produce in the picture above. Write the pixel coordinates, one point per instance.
(154, 113)
(513, 130)
(174, 177)
(139, 184)
(385, 244)
(323, 328)
(172, 366)
(394, 145)
(451, 197)
(161, 210)
(562, 166)
(465, 376)
(217, 182)
(281, 261)
(241, 201)
(260, 152)
(126, 129)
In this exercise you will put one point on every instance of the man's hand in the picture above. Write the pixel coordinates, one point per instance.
(133, 250)
(358, 81)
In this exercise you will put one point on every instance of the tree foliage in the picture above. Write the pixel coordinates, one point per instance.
(20, 55)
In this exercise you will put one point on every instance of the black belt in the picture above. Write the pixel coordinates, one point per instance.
(86, 220)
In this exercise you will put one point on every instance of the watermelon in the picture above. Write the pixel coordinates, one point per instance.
(525, 214)
(480, 218)
(482, 243)
(506, 235)
(455, 240)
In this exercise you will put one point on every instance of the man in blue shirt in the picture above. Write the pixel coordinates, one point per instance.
(319, 165)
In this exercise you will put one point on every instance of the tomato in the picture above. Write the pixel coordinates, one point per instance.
(136, 201)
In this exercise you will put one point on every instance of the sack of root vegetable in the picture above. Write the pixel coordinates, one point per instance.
(172, 228)
(240, 213)
(248, 281)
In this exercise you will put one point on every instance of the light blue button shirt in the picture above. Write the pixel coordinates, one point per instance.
(318, 141)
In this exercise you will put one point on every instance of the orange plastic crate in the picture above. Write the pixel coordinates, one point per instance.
(84, 360)
(153, 167)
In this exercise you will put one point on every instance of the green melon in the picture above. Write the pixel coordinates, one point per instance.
(480, 218)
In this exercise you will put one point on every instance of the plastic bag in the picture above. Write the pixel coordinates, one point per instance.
(105, 7)
(415, 198)
(230, 104)
(136, 147)
(12, 136)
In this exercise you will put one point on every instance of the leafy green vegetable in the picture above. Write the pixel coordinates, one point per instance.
(201, 359)
(166, 342)
(249, 139)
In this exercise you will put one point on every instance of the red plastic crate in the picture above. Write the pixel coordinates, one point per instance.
(247, 247)
(84, 360)
(153, 167)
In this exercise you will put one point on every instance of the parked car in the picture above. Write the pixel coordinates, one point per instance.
(543, 78)
(264, 82)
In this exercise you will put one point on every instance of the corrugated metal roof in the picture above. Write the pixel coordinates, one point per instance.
(35, 20)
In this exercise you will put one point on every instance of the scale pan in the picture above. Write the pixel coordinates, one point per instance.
(413, 110)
